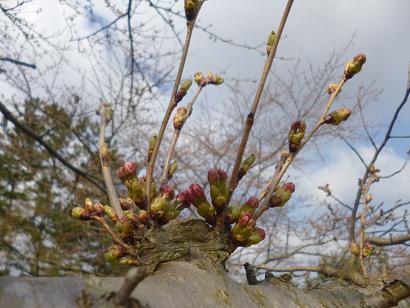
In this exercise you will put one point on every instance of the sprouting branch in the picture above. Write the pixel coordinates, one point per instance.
(284, 165)
(233, 181)
(171, 106)
(175, 137)
(106, 114)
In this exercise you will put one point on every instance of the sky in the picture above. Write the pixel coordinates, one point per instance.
(315, 29)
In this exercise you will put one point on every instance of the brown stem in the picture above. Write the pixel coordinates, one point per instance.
(105, 164)
(175, 137)
(115, 238)
(171, 106)
(233, 181)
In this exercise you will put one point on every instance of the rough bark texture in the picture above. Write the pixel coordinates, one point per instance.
(183, 284)
(185, 262)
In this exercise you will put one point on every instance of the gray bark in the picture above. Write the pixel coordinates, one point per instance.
(190, 284)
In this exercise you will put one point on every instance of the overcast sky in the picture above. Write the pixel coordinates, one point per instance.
(315, 28)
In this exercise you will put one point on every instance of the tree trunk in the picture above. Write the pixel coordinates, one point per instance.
(186, 260)
(186, 284)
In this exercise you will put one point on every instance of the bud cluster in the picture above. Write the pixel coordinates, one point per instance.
(367, 250)
(213, 79)
(218, 188)
(245, 233)
(90, 209)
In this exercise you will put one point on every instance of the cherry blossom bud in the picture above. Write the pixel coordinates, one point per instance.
(167, 192)
(282, 195)
(332, 88)
(80, 213)
(172, 169)
(246, 165)
(151, 146)
(214, 79)
(250, 206)
(98, 209)
(367, 249)
(198, 199)
(191, 9)
(180, 117)
(123, 227)
(143, 216)
(158, 206)
(200, 79)
(218, 187)
(338, 116)
(114, 252)
(88, 204)
(127, 171)
(271, 40)
(128, 261)
(296, 134)
(257, 236)
(355, 249)
(243, 229)
(127, 204)
(353, 67)
(183, 200)
(109, 211)
(183, 90)
(232, 214)
(132, 217)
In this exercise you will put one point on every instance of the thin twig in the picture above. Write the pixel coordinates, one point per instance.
(171, 106)
(233, 181)
(105, 164)
(374, 158)
(175, 138)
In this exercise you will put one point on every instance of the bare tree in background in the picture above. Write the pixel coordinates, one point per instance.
(146, 227)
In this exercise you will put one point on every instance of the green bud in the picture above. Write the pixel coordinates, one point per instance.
(271, 40)
(282, 195)
(246, 165)
(199, 79)
(109, 211)
(353, 67)
(151, 146)
(191, 9)
(183, 89)
(172, 169)
(232, 214)
(128, 261)
(80, 213)
(338, 116)
(113, 253)
(180, 117)
(296, 134)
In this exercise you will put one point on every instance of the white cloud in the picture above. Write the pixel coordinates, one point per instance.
(344, 169)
